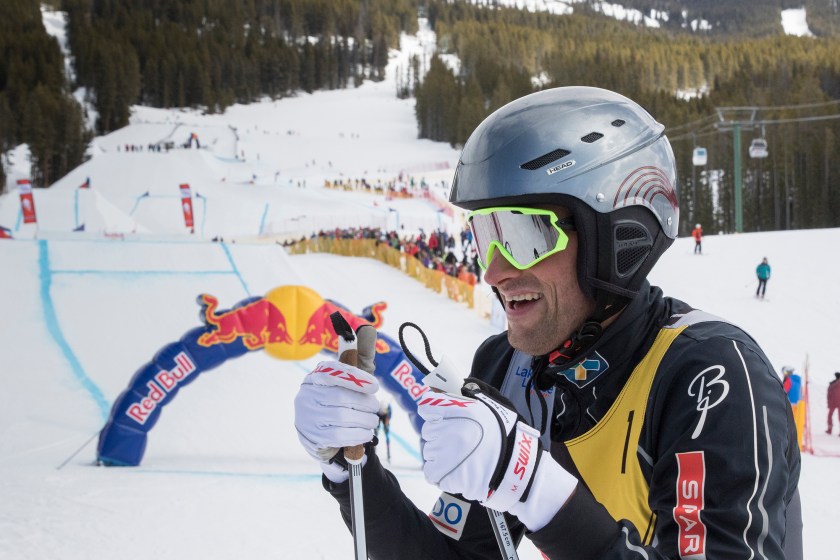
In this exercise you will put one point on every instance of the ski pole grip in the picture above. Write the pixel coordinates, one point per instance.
(350, 357)
(355, 453)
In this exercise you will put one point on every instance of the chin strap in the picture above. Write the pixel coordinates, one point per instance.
(547, 369)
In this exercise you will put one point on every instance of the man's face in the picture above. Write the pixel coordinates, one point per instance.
(544, 304)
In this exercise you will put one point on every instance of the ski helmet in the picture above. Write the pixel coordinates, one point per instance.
(594, 152)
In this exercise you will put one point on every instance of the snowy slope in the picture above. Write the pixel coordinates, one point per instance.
(224, 476)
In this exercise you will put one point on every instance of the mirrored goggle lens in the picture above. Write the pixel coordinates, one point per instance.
(523, 236)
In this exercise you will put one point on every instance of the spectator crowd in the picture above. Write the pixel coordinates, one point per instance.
(437, 250)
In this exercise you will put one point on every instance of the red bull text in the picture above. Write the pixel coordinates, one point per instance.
(163, 383)
(403, 376)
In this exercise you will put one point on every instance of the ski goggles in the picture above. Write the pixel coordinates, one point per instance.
(524, 236)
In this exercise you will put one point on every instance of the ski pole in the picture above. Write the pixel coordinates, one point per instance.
(348, 354)
(388, 441)
(503, 536)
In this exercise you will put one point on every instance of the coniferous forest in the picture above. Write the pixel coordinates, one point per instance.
(210, 54)
(35, 102)
(501, 50)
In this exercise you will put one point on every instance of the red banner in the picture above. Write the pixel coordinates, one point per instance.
(27, 203)
(186, 205)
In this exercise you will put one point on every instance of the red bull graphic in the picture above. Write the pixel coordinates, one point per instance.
(289, 323)
(256, 324)
(319, 329)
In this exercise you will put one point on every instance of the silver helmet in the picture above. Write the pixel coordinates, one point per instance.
(593, 151)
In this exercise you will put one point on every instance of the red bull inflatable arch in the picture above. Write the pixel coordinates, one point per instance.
(288, 323)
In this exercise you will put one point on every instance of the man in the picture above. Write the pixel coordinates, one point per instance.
(384, 415)
(647, 429)
(697, 234)
(833, 400)
(762, 272)
(792, 384)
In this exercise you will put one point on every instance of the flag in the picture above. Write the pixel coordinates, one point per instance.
(186, 205)
(27, 202)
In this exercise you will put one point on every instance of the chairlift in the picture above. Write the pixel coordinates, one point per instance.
(699, 157)
(758, 148)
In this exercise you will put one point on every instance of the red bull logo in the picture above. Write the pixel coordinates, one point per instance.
(319, 328)
(163, 383)
(290, 323)
(256, 324)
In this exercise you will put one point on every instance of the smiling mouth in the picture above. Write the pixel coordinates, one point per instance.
(520, 301)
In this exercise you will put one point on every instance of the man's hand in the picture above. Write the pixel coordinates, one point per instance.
(478, 446)
(335, 407)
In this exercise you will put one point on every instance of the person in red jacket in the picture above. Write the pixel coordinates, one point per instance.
(697, 234)
(833, 399)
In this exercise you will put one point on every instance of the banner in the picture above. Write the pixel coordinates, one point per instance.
(186, 205)
(288, 323)
(27, 203)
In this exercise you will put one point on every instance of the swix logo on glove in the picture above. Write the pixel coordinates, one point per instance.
(519, 471)
(347, 376)
(523, 458)
(444, 401)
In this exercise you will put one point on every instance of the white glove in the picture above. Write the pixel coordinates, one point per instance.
(336, 407)
(478, 446)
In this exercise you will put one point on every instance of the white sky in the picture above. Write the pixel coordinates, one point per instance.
(224, 475)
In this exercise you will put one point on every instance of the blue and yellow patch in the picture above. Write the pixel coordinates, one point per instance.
(587, 371)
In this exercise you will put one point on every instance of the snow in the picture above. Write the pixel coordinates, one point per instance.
(56, 26)
(224, 475)
(559, 7)
(794, 22)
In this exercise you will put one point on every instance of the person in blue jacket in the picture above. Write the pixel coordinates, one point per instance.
(762, 271)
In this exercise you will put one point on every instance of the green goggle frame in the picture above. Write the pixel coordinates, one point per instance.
(524, 236)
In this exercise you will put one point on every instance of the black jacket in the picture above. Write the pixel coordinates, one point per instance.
(745, 432)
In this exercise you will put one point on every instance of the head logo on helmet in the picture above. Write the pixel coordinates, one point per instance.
(593, 151)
